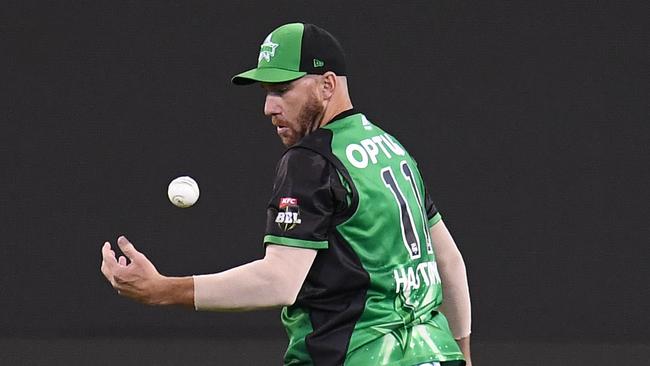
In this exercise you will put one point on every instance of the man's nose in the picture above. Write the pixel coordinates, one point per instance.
(271, 105)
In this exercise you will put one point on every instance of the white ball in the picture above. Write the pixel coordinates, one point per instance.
(183, 191)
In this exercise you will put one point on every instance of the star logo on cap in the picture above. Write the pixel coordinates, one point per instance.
(267, 49)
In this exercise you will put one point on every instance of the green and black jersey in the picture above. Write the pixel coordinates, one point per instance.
(353, 192)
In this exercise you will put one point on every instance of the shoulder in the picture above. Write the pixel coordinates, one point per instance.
(312, 149)
(319, 141)
(301, 157)
(300, 164)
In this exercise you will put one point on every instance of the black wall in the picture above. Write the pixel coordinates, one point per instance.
(529, 121)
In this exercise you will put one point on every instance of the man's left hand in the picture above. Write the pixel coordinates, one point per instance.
(138, 280)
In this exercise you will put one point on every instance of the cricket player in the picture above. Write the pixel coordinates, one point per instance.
(356, 253)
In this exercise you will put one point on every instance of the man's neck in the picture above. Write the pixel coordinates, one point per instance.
(334, 110)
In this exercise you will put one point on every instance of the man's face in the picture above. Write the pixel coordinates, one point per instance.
(294, 107)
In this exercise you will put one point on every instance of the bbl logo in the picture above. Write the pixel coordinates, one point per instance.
(289, 213)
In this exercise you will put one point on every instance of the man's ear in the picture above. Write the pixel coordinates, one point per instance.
(328, 85)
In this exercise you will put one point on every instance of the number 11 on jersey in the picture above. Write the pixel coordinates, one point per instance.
(409, 232)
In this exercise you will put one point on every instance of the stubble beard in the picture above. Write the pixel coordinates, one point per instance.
(307, 121)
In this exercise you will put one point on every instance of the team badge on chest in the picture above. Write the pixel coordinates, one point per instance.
(288, 213)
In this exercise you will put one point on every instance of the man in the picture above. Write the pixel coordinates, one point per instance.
(355, 250)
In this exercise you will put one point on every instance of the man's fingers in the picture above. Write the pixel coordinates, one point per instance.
(127, 248)
(108, 255)
(122, 260)
(108, 263)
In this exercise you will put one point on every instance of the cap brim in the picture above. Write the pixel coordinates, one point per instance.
(266, 75)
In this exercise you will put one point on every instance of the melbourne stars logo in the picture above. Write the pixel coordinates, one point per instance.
(267, 49)
(288, 213)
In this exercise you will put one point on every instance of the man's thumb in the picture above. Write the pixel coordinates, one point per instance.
(127, 248)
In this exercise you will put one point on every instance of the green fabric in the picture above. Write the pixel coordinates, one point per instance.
(405, 286)
(267, 75)
(407, 346)
(389, 234)
(291, 242)
(435, 219)
(298, 325)
(279, 57)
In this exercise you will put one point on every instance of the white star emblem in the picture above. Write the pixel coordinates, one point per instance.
(267, 49)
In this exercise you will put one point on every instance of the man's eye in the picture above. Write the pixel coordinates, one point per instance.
(278, 89)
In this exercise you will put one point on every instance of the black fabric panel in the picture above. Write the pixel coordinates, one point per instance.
(306, 177)
(318, 44)
(453, 363)
(335, 289)
(320, 141)
(429, 206)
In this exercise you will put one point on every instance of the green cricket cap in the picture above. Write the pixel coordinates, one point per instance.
(292, 51)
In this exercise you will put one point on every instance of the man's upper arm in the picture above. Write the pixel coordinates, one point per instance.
(444, 245)
(290, 265)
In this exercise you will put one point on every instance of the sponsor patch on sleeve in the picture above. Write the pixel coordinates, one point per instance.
(288, 213)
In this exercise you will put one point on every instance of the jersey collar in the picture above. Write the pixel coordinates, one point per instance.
(342, 115)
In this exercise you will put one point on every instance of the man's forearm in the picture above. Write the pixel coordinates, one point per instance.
(246, 287)
(269, 282)
(272, 281)
(463, 343)
(250, 286)
(456, 303)
(176, 291)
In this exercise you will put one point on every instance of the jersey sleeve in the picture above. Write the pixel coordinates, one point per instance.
(433, 216)
(302, 204)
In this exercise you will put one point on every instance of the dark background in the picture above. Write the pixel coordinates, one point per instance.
(529, 121)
